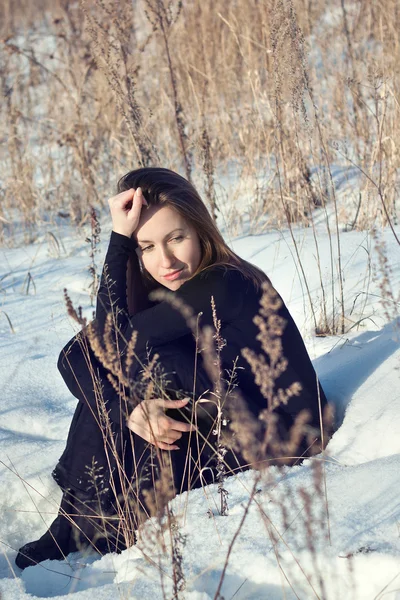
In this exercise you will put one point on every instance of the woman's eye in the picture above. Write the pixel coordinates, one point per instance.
(146, 248)
(178, 238)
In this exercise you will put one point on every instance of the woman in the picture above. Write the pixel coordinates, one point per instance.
(135, 423)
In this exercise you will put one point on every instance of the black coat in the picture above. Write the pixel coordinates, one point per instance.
(163, 329)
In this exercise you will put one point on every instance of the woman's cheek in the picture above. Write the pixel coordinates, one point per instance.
(149, 264)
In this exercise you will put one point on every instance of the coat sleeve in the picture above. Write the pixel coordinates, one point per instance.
(164, 323)
(112, 292)
(84, 375)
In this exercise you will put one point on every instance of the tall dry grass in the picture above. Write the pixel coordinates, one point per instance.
(278, 93)
(142, 510)
(268, 107)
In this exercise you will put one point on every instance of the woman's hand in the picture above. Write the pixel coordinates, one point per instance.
(125, 211)
(149, 421)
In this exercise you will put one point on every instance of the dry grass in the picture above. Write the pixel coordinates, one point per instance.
(134, 506)
(280, 94)
(268, 107)
(278, 91)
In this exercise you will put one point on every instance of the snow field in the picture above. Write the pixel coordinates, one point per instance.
(359, 372)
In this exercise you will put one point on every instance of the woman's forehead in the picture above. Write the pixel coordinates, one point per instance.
(156, 221)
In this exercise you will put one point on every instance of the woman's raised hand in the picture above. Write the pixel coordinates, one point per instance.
(149, 421)
(125, 211)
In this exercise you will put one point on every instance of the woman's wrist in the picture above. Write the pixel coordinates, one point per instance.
(123, 240)
(119, 232)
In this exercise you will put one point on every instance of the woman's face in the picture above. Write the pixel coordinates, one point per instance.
(169, 248)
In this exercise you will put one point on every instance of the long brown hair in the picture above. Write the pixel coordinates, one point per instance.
(162, 187)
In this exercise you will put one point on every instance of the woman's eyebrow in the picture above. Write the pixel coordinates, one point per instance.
(165, 236)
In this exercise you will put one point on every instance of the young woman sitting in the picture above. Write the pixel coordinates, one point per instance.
(215, 380)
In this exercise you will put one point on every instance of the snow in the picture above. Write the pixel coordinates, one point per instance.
(354, 555)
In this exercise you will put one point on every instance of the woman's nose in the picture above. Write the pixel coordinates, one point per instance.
(167, 258)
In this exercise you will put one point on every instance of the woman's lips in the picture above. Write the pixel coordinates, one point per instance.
(174, 275)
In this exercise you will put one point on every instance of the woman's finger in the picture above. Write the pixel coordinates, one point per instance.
(122, 199)
(143, 200)
(163, 446)
(172, 403)
(169, 437)
(174, 425)
(137, 203)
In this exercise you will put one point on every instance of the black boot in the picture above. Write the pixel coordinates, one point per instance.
(55, 544)
(77, 527)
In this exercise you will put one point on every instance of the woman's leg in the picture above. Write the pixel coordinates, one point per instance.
(54, 544)
(82, 523)
(86, 517)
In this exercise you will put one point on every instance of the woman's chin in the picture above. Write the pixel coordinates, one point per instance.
(174, 285)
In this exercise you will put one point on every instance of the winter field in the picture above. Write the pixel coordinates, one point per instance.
(286, 113)
(354, 555)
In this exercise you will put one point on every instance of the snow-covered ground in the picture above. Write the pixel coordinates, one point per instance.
(354, 555)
